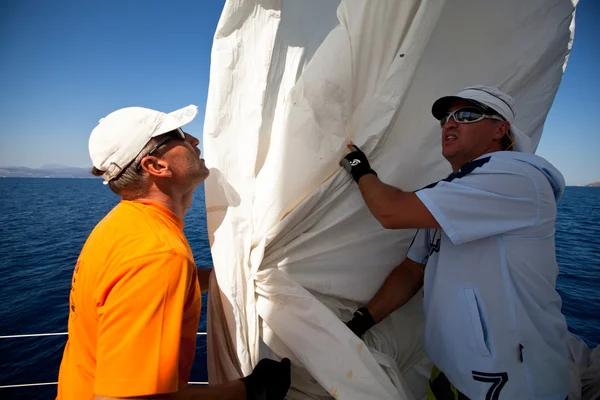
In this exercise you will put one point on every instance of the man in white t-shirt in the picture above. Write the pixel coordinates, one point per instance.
(493, 325)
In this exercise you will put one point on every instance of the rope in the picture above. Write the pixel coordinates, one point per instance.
(52, 334)
(28, 384)
(56, 383)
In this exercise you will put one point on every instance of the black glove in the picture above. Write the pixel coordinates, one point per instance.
(270, 380)
(356, 163)
(362, 322)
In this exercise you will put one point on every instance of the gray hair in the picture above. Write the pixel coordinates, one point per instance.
(132, 183)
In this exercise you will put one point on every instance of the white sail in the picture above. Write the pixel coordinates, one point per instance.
(294, 248)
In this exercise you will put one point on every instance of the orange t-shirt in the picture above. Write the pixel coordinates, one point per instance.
(135, 307)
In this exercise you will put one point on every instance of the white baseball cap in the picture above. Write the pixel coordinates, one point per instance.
(490, 97)
(120, 136)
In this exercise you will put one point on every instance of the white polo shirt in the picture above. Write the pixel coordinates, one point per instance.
(493, 320)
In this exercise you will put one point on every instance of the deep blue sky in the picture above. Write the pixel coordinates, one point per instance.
(65, 64)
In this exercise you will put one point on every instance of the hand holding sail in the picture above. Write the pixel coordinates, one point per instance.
(270, 380)
(356, 163)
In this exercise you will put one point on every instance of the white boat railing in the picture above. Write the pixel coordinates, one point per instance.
(56, 383)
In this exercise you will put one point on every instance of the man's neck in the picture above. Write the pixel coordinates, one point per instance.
(493, 149)
(176, 202)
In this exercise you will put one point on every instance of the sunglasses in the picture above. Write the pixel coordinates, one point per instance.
(176, 134)
(467, 115)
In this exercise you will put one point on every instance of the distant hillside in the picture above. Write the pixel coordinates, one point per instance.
(594, 184)
(47, 171)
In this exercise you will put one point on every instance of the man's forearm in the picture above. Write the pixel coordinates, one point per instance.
(234, 390)
(398, 288)
(393, 208)
(204, 278)
(380, 198)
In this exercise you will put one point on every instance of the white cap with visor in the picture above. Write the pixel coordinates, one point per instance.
(121, 135)
(492, 98)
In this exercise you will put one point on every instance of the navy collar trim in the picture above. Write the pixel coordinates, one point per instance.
(463, 171)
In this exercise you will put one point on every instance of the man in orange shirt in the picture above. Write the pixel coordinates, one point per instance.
(135, 297)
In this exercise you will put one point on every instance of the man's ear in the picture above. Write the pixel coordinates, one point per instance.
(157, 167)
(502, 128)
